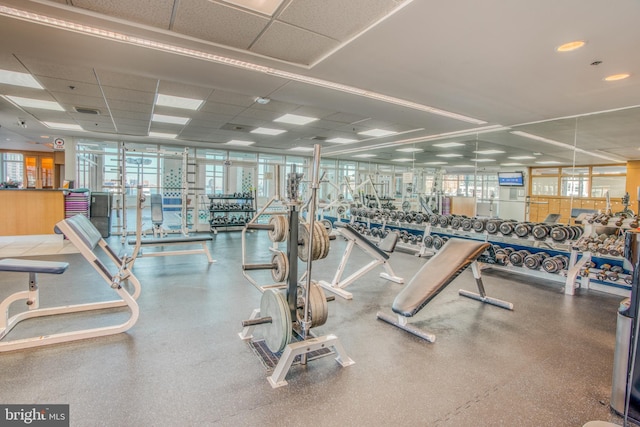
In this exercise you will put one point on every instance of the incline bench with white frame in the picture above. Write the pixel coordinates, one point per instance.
(380, 255)
(85, 237)
(447, 264)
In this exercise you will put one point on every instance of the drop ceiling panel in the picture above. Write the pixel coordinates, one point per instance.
(292, 44)
(263, 115)
(156, 13)
(69, 101)
(44, 68)
(62, 86)
(132, 130)
(337, 19)
(10, 63)
(131, 115)
(231, 98)
(218, 108)
(128, 95)
(346, 118)
(101, 127)
(208, 123)
(217, 23)
(115, 79)
(130, 106)
(184, 90)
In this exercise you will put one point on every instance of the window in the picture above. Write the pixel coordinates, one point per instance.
(12, 169)
(575, 182)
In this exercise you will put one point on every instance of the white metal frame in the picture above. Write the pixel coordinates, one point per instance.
(167, 241)
(115, 281)
(337, 285)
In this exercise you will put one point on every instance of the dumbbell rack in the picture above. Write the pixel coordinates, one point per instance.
(280, 319)
(616, 284)
(224, 207)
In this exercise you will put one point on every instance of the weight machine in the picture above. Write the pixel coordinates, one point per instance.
(187, 188)
(287, 317)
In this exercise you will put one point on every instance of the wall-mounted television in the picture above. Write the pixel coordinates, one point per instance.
(510, 179)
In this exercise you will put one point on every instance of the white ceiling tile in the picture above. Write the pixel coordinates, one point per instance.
(44, 68)
(337, 19)
(128, 95)
(126, 81)
(156, 13)
(132, 115)
(218, 23)
(292, 44)
(225, 97)
(184, 90)
(219, 108)
(130, 106)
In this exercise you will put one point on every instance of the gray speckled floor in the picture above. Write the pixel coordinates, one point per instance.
(547, 363)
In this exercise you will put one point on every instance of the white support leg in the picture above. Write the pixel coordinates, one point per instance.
(277, 379)
(247, 331)
(402, 323)
(390, 275)
(481, 296)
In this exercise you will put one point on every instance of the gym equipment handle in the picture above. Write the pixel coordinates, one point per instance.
(246, 267)
(258, 321)
(254, 226)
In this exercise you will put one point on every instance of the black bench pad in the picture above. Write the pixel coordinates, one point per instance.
(33, 266)
(354, 233)
(167, 240)
(454, 257)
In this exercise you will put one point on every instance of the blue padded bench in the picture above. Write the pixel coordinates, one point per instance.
(447, 264)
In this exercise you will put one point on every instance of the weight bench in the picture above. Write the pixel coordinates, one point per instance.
(157, 216)
(163, 241)
(84, 236)
(380, 255)
(447, 264)
(170, 241)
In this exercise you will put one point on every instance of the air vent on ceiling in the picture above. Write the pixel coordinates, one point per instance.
(237, 127)
(86, 110)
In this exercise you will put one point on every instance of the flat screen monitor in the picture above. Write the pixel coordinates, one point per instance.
(511, 179)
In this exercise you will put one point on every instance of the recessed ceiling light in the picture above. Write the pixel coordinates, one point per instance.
(262, 100)
(615, 77)
(449, 144)
(170, 119)
(377, 133)
(35, 103)
(18, 79)
(342, 140)
(178, 102)
(268, 131)
(449, 155)
(462, 166)
(568, 47)
(306, 149)
(47, 136)
(489, 152)
(62, 126)
(404, 159)
(521, 157)
(239, 142)
(483, 160)
(364, 155)
(435, 163)
(294, 119)
(410, 150)
(510, 164)
(162, 135)
(548, 162)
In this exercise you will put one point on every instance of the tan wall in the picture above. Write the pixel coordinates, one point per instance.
(26, 212)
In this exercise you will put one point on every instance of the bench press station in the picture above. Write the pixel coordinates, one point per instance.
(139, 242)
(447, 264)
(84, 236)
(380, 255)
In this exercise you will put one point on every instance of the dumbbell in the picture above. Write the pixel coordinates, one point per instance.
(540, 231)
(439, 241)
(506, 228)
(434, 220)
(428, 241)
(502, 254)
(418, 218)
(493, 226)
(400, 215)
(467, 224)
(522, 229)
(534, 261)
(478, 224)
(456, 222)
(516, 258)
(555, 263)
(443, 220)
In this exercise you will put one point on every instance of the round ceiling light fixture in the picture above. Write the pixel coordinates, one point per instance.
(616, 77)
(262, 100)
(568, 47)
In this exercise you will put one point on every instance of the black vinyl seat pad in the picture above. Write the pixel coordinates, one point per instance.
(167, 240)
(447, 264)
(352, 232)
(33, 266)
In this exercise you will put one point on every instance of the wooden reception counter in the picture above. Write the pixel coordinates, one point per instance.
(25, 212)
